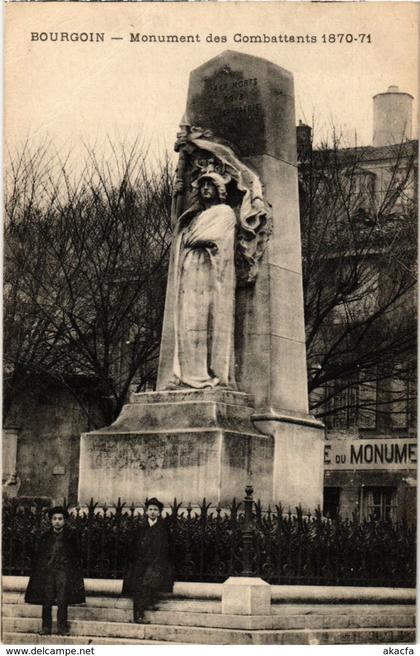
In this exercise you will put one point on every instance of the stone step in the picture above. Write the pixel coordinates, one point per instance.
(174, 603)
(35, 639)
(178, 635)
(343, 609)
(280, 594)
(80, 627)
(111, 588)
(207, 635)
(186, 605)
(290, 618)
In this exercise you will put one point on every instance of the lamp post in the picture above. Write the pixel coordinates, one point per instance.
(248, 532)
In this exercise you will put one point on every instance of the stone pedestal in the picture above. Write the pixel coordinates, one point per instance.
(249, 102)
(298, 462)
(185, 444)
(9, 451)
(197, 444)
(243, 595)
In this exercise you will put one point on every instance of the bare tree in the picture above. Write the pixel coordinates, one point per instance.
(85, 272)
(359, 228)
(86, 265)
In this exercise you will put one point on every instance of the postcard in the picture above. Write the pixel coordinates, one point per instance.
(209, 409)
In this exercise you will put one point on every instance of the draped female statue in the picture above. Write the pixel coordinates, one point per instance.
(208, 236)
(205, 288)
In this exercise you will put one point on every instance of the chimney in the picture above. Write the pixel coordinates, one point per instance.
(304, 141)
(392, 117)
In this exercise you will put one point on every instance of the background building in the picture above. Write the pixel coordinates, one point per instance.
(366, 352)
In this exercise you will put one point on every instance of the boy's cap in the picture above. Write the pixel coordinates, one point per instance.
(153, 502)
(57, 510)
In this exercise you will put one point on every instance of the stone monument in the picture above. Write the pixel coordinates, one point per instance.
(231, 403)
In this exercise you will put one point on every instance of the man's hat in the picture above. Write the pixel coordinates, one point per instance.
(57, 510)
(153, 502)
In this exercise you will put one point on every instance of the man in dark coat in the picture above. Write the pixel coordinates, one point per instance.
(56, 576)
(150, 570)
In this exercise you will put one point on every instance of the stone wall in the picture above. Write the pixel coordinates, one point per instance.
(49, 422)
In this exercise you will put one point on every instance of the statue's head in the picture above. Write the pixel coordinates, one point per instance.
(211, 184)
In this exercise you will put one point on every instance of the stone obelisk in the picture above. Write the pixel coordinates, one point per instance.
(192, 443)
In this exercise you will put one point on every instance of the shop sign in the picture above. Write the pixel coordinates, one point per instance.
(370, 454)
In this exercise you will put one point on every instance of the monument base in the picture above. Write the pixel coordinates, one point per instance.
(187, 444)
(298, 461)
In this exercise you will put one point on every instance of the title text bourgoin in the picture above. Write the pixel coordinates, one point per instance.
(238, 37)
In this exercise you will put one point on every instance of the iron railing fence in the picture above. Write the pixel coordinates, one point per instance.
(211, 543)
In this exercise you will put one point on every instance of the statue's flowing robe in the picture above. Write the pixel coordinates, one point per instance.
(183, 359)
(204, 297)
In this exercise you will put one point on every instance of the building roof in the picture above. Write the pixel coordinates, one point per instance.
(405, 149)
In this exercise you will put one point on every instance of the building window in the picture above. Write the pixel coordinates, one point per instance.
(367, 398)
(341, 404)
(403, 397)
(362, 186)
(378, 503)
(352, 402)
(331, 502)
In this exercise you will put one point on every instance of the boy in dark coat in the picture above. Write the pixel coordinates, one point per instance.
(150, 570)
(56, 576)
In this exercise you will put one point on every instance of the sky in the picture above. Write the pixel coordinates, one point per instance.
(72, 92)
